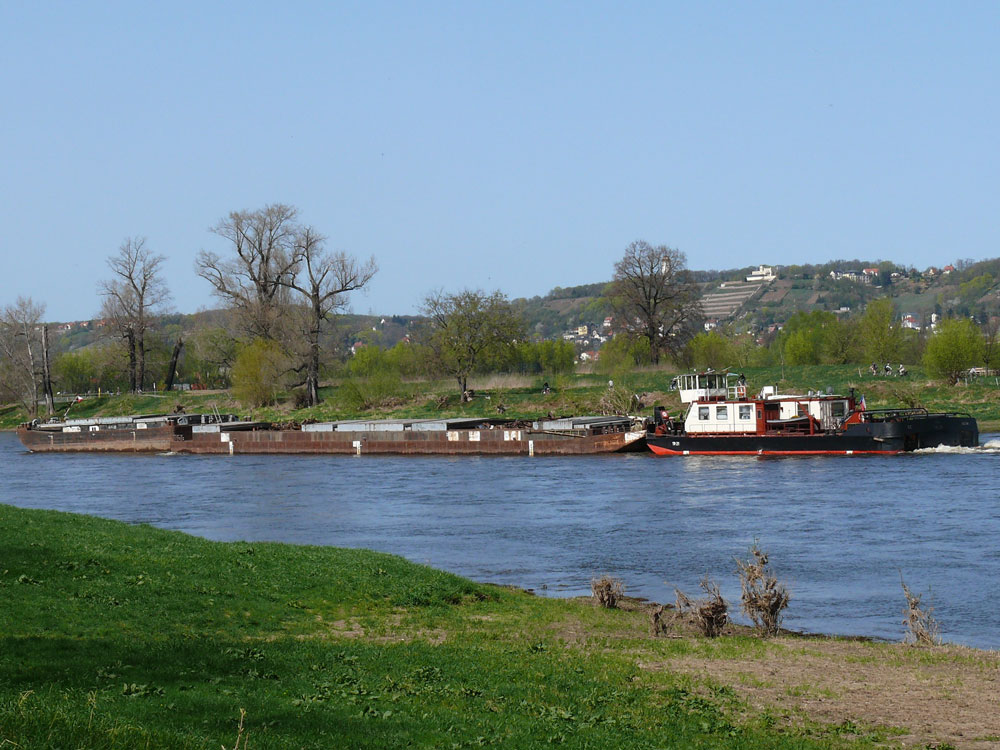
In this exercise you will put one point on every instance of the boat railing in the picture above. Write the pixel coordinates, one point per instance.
(738, 392)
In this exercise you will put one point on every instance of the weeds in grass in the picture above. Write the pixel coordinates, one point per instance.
(381, 391)
(607, 591)
(240, 736)
(710, 614)
(921, 627)
(763, 598)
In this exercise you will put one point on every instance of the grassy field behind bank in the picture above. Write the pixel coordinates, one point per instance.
(571, 395)
(113, 636)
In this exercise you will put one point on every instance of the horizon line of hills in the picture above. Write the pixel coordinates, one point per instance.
(963, 287)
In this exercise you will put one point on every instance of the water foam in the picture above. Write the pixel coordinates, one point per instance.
(990, 446)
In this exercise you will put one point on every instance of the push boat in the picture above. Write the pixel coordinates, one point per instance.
(723, 419)
(228, 434)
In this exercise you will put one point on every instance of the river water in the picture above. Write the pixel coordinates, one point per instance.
(838, 530)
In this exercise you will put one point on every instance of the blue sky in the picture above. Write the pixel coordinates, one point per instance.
(510, 145)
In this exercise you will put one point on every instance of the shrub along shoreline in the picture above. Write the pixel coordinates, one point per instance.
(118, 636)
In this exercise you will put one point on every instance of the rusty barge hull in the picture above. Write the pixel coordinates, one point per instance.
(151, 440)
(459, 442)
(181, 439)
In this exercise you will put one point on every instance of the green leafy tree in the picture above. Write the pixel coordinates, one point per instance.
(842, 344)
(258, 372)
(408, 359)
(76, 372)
(468, 329)
(623, 354)
(881, 338)
(957, 346)
(711, 349)
(367, 361)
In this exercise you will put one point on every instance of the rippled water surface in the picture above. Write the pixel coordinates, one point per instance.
(839, 530)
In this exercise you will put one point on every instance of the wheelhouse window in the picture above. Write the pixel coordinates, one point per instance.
(838, 408)
(703, 413)
(722, 413)
(746, 411)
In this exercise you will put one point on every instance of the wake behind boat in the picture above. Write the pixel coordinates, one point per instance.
(723, 419)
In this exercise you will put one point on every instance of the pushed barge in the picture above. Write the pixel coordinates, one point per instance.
(722, 420)
(227, 434)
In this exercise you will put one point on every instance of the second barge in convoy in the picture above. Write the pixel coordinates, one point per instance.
(723, 419)
(229, 435)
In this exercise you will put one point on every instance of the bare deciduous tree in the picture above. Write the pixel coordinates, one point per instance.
(653, 295)
(255, 283)
(132, 299)
(21, 351)
(324, 279)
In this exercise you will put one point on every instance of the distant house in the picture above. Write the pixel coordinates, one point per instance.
(946, 270)
(356, 346)
(762, 274)
(911, 321)
(871, 272)
(607, 322)
(581, 330)
(591, 356)
(856, 276)
(711, 325)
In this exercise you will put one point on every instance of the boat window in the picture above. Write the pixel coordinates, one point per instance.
(838, 408)
(746, 411)
(802, 409)
(702, 412)
(722, 413)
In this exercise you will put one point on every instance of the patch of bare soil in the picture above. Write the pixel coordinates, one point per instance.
(937, 697)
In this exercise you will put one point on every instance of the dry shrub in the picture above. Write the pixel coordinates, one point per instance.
(607, 591)
(504, 382)
(921, 627)
(660, 623)
(710, 614)
(763, 599)
(619, 401)
(908, 394)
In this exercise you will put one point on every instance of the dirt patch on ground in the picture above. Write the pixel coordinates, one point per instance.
(936, 697)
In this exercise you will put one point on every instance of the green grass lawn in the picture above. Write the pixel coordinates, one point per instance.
(116, 636)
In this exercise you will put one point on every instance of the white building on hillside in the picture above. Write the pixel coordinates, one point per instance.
(763, 273)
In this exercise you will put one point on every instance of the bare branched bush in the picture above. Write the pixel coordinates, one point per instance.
(607, 591)
(618, 401)
(709, 614)
(921, 627)
(763, 599)
(659, 620)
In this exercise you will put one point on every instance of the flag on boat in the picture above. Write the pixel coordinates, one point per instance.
(861, 404)
(79, 399)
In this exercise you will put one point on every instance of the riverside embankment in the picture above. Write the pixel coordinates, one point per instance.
(118, 636)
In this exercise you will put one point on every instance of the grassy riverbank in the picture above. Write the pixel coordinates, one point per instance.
(571, 394)
(116, 636)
